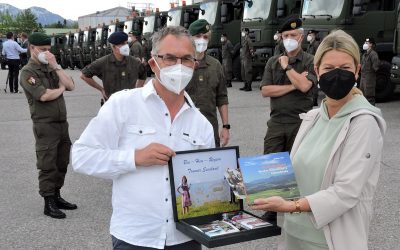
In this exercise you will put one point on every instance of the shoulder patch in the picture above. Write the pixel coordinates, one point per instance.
(31, 80)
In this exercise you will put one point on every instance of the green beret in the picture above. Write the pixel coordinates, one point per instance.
(118, 37)
(292, 23)
(39, 39)
(199, 26)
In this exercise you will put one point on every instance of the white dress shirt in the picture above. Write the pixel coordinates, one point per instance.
(11, 49)
(141, 196)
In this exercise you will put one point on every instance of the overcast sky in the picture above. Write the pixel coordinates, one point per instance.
(72, 9)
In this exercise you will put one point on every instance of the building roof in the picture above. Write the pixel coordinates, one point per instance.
(117, 11)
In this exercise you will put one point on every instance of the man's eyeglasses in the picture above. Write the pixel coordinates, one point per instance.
(170, 60)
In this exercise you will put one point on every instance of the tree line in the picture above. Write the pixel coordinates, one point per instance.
(26, 21)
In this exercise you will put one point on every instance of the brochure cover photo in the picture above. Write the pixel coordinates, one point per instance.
(199, 182)
(268, 175)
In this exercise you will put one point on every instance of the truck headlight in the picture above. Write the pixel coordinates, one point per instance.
(395, 67)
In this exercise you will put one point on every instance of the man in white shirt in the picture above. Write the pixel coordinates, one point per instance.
(132, 138)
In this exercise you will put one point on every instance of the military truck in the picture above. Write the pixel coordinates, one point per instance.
(153, 22)
(263, 18)
(361, 19)
(66, 57)
(182, 15)
(77, 50)
(395, 70)
(101, 40)
(57, 46)
(114, 27)
(88, 45)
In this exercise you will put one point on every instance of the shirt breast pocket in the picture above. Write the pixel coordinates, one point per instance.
(139, 136)
(190, 142)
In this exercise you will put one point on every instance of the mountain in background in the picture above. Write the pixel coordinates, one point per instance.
(44, 16)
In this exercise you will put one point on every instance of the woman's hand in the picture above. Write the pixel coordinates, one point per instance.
(275, 204)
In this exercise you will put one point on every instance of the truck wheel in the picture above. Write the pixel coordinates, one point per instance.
(237, 69)
(384, 87)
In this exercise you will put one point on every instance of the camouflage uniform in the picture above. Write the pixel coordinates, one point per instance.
(136, 50)
(50, 126)
(116, 75)
(284, 119)
(369, 66)
(227, 53)
(208, 90)
(245, 54)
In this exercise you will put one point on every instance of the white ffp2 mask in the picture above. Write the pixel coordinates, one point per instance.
(201, 44)
(42, 58)
(176, 77)
(124, 50)
(290, 44)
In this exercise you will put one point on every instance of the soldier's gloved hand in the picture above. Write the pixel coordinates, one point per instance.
(153, 154)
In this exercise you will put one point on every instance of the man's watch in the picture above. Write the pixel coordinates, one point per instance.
(288, 67)
(227, 126)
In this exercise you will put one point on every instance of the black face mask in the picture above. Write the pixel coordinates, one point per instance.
(337, 83)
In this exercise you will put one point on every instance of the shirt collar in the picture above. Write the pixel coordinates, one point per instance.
(149, 90)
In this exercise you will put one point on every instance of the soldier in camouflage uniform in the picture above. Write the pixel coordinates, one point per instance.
(136, 48)
(44, 82)
(246, 56)
(369, 66)
(227, 54)
(208, 85)
(117, 70)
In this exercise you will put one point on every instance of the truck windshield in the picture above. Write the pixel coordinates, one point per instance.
(99, 32)
(148, 26)
(210, 11)
(128, 26)
(256, 10)
(174, 17)
(85, 36)
(322, 8)
(111, 29)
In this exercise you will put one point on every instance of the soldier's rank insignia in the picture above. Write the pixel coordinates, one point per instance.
(201, 78)
(31, 80)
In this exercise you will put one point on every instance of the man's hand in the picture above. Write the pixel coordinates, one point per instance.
(224, 137)
(284, 61)
(51, 59)
(153, 154)
(103, 93)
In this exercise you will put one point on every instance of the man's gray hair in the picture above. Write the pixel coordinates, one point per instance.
(177, 31)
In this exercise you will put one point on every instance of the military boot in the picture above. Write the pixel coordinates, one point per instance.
(63, 204)
(244, 87)
(248, 88)
(51, 209)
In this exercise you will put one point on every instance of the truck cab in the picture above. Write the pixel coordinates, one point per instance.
(183, 15)
(88, 46)
(361, 19)
(77, 52)
(263, 18)
(225, 16)
(101, 40)
(57, 45)
(67, 57)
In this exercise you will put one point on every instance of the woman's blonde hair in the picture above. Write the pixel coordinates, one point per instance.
(340, 41)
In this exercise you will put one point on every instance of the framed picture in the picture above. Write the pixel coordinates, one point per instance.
(198, 182)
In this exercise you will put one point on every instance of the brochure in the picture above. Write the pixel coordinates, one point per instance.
(268, 175)
(247, 221)
(217, 228)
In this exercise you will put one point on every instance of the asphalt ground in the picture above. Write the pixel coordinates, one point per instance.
(23, 225)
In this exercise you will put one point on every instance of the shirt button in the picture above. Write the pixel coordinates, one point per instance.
(194, 141)
(367, 155)
(166, 220)
(140, 131)
(166, 114)
(166, 179)
(166, 199)
(170, 134)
